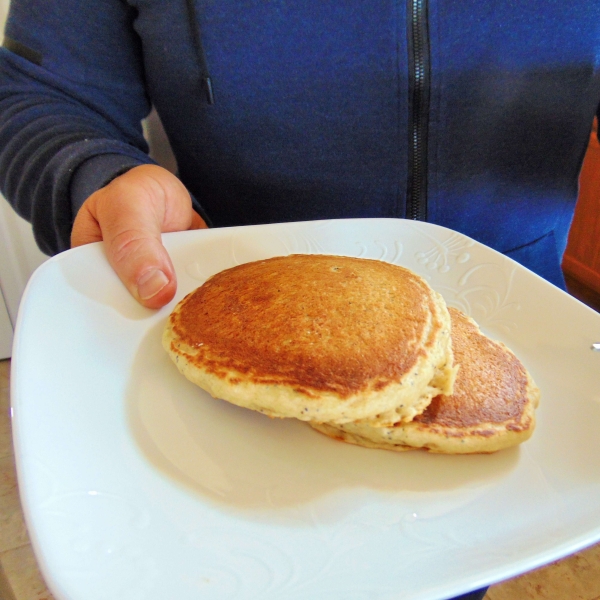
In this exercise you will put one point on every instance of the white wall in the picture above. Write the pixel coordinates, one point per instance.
(3, 13)
(19, 257)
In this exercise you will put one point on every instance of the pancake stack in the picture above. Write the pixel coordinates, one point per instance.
(363, 350)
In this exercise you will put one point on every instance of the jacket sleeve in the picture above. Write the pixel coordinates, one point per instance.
(72, 99)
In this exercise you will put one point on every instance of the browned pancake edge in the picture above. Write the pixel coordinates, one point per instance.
(318, 327)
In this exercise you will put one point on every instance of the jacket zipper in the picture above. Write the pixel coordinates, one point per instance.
(418, 102)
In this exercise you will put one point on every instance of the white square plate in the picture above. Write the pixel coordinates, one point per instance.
(137, 485)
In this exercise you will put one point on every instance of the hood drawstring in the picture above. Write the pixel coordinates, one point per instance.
(205, 80)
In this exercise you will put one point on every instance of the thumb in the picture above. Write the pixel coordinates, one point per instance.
(130, 214)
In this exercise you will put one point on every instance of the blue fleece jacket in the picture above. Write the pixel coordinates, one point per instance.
(471, 114)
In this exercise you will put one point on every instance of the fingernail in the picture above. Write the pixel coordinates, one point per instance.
(150, 283)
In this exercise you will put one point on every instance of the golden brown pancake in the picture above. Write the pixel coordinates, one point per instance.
(492, 406)
(316, 337)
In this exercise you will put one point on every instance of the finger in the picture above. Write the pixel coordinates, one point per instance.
(132, 212)
(131, 215)
(140, 263)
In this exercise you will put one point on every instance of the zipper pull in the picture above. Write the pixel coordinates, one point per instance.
(207, 85)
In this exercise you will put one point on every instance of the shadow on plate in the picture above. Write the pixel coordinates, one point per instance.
(237, 457)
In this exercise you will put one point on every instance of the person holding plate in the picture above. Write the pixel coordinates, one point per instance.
(472, 115)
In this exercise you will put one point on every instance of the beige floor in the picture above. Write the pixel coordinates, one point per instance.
(574, 578)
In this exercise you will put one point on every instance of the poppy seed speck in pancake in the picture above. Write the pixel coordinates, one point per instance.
(316, 337)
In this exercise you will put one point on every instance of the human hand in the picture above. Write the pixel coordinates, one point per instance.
(129, 214)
